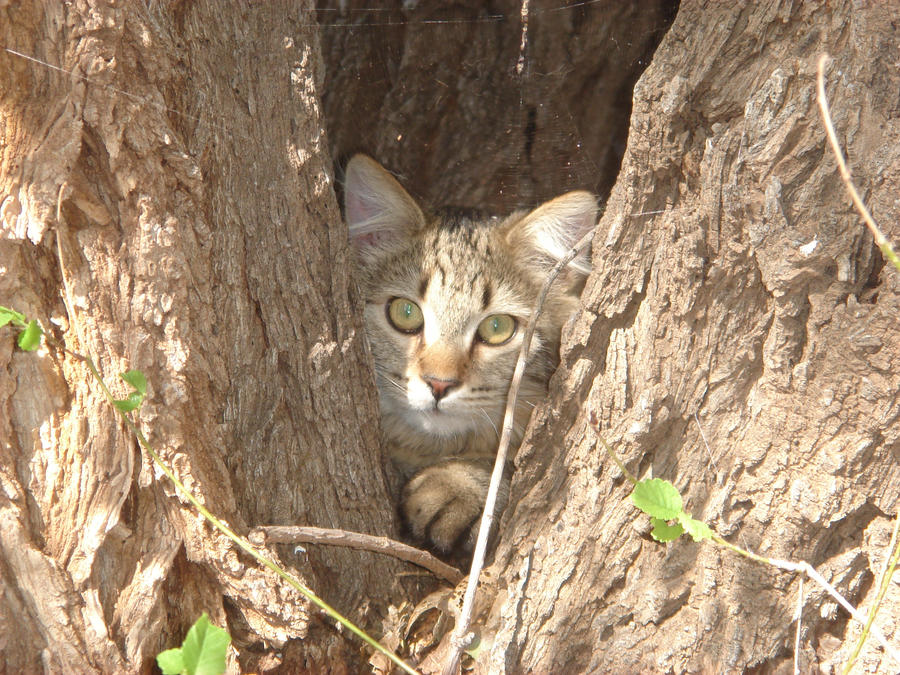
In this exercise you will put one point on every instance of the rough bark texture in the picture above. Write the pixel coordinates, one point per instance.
(200, 242)
(748, 304)
(735, 292)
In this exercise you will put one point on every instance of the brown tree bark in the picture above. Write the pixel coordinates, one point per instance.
(735, 295)
(199, 241)
(734, 292)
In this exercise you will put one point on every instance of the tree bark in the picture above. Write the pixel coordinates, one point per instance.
(739, 338)
(435, 91)
(738, 334)
(199, 241)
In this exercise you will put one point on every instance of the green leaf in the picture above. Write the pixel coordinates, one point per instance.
(657, 498)
(475, 648)
(8, 315)
(133, 402)
(30, 338)
(137, 380)
(204, 648)
(662, 531)
(171, 661)
(696, 528)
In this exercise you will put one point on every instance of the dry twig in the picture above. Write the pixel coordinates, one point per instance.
(460, 639)
(877, 234)
(798, 617)
(888, 251)
(301, 534)
(810, 571)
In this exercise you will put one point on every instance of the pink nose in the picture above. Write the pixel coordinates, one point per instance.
(439, 386)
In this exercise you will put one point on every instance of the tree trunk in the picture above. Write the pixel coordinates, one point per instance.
(199, 241)
(738, 336)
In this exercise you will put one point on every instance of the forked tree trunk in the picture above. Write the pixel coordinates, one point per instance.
(735, 295)
(199, 241)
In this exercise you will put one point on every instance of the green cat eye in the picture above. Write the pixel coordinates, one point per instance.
(405, 315)
(497, 329)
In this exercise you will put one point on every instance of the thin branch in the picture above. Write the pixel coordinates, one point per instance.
(798, 617)
(802, 567)
(301, 534)
(877, 234)
(888, 251)
(241, 542)
(890, 564)
(812, 573)
(460, 638)
(244, 543)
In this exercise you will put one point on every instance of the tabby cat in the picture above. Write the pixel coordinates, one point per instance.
(447, 301)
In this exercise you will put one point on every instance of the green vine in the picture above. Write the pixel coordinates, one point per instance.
(662, 502)
(29, 339)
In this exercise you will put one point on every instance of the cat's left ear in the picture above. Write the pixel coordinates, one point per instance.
(552, 229)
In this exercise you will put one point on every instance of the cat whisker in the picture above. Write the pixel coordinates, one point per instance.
(437, 278)
(476, 421)
(491, 422)
(391, 380)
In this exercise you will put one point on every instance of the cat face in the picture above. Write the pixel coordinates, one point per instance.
(445, 315)
(447, 302)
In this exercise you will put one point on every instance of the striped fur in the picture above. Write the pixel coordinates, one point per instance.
(459, 267)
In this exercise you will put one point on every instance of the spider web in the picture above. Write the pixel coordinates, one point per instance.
(495, 105)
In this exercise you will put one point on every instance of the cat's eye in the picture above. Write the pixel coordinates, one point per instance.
(497, 329)
(405, 315)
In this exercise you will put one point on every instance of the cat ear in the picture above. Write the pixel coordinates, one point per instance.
(377, 208)
(552, 229)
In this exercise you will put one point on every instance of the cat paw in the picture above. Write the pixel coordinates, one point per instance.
(442, 504)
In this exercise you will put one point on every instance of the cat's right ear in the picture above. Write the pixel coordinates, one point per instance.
(377, 208)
